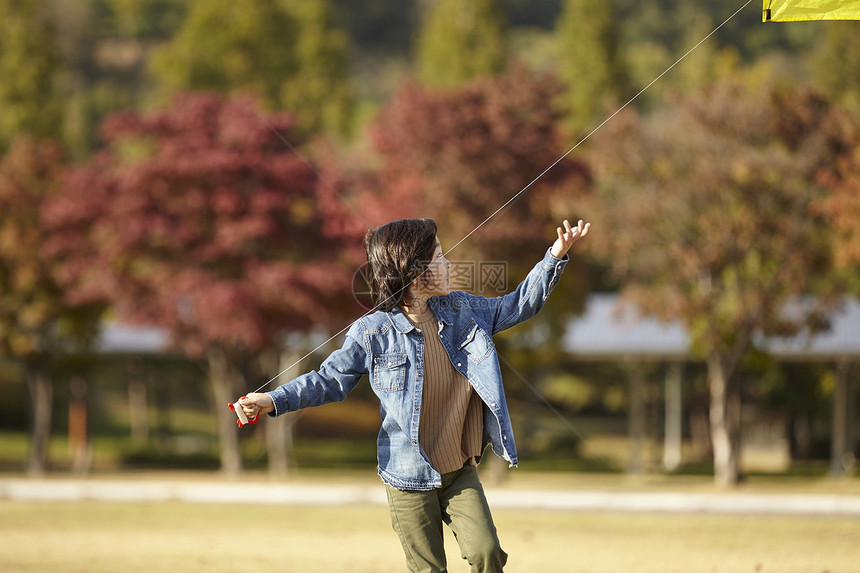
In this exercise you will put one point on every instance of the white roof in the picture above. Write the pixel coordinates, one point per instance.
(841, 341)
(611, 327)
(119, 337)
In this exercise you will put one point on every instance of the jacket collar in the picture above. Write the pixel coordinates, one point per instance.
(440, 305)
(399, 320)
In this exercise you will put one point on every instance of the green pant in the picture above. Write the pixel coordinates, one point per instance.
(417, 517)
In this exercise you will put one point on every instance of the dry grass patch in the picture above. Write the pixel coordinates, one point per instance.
(96, 537)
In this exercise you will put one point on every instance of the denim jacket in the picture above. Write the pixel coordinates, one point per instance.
(388, 347)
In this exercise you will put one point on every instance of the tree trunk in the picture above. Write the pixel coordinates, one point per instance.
(138, 409)
(280, 430)
(496, 471)
(79, 444)
(163, 432)
(531, 413)
(700, 431)
(222, 376)
(41, 401)
(725, 422)
(636, 419)
(841, 442)
(653, 430)
(851, 425)
(673, 420)
(800, 434)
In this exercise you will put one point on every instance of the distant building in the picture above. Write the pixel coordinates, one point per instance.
(612, 329)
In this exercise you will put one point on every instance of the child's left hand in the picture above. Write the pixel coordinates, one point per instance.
(567, 237)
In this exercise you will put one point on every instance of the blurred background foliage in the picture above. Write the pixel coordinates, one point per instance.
(66, 65)
(406, 108)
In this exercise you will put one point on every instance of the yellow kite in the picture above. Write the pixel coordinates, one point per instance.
(792, 10)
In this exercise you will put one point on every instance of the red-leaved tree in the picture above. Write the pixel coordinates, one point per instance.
(459, 155)
(201, 220)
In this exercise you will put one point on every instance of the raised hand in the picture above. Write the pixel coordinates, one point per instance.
(567, 236)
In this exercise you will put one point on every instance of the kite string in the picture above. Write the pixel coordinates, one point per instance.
(319, 176)
(604, 122)
(512, 199)
(558, 414)
(344, 329)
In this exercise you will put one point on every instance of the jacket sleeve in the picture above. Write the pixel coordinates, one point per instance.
(527, 299)
(335, 379)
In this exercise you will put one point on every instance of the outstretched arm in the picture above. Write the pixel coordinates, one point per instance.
(336, 377)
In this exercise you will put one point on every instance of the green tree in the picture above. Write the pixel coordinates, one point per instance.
(706, 207)
(97, 49)
(287, 54)
(227, 46)
(460, 40)
(837, 64)
(697, 69)
(705, 62)
(141, 19)
(591, 66)
(30, 69)
(319, 91)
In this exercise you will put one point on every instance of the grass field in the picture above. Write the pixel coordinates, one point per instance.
(96, 537)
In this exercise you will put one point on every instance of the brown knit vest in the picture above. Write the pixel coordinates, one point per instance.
(451, 426)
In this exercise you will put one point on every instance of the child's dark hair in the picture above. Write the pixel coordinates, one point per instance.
(397, 254)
